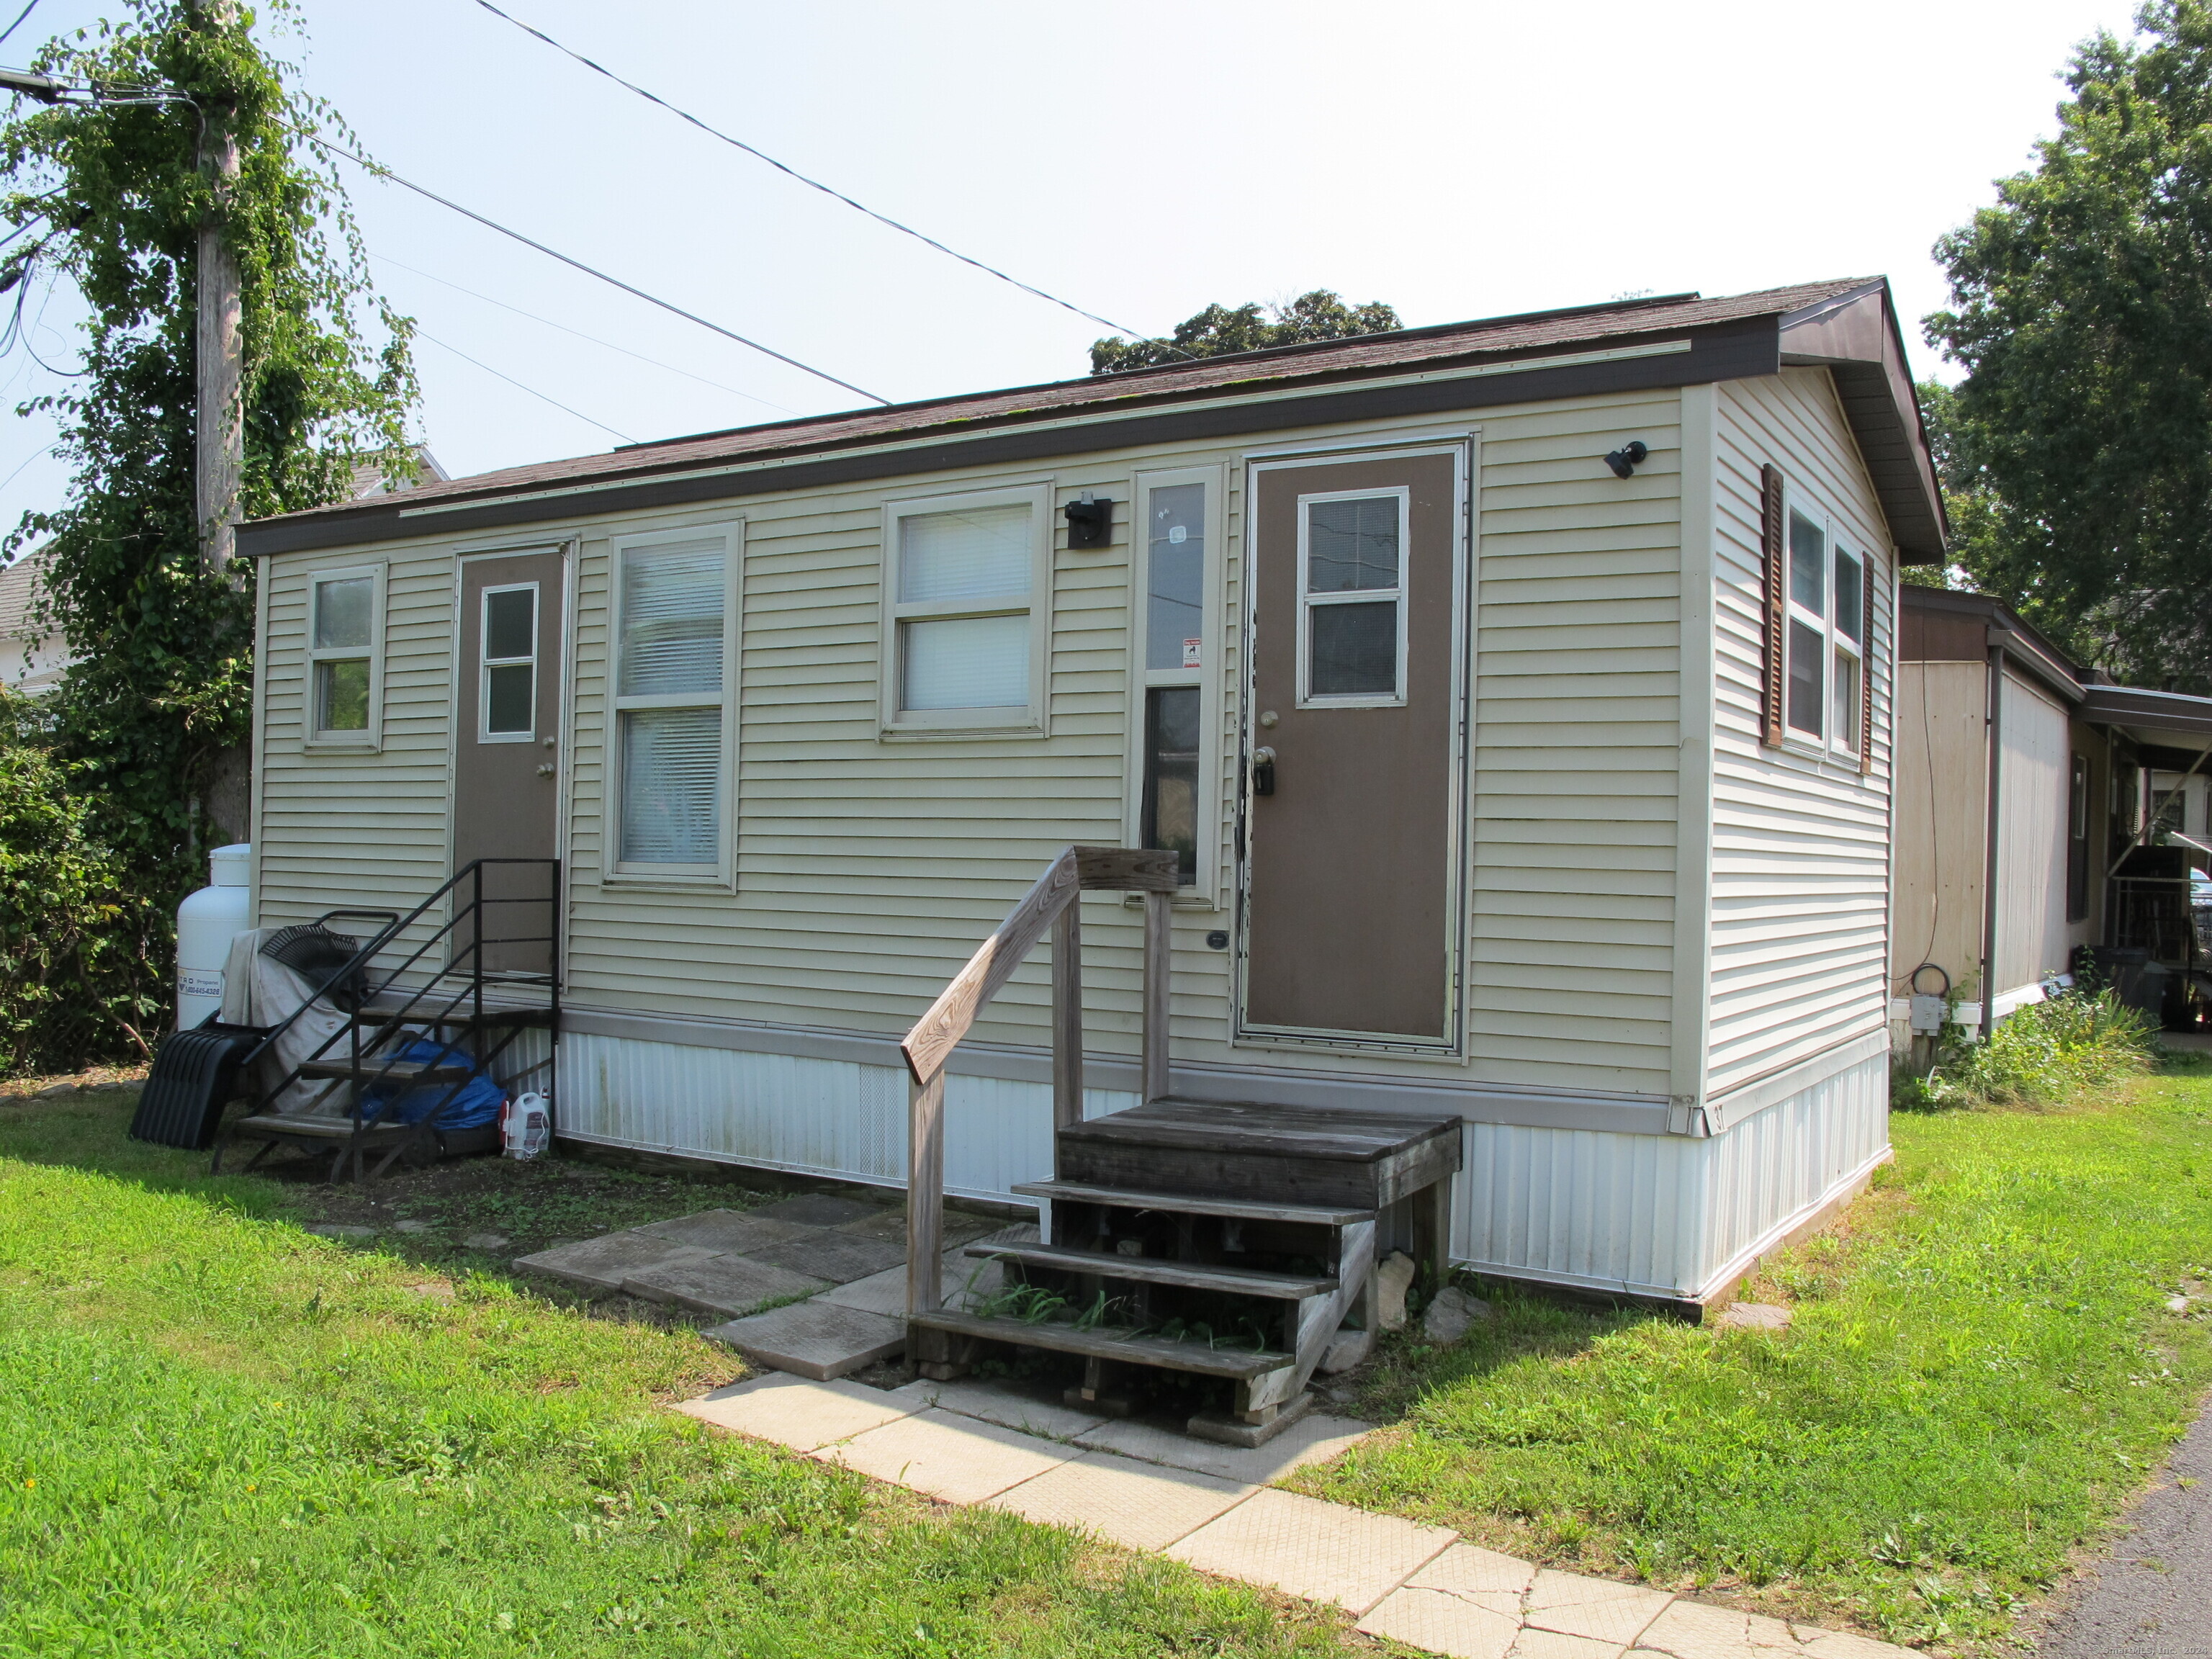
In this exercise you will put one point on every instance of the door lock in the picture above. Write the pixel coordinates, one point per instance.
(548, 769)
(1263, 771)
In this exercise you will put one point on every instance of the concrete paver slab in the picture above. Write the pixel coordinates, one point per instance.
(1843, 1644)
(838, 1258)
(793, 1412)
(732, 1233)
(1139, 1506)
(1442, 1623)
(1602, 1609)
(1032, 1411)
(602, 1264)
(815, 1339)
(954, 1458)
(885, 1293)
(1480, 1577)
(1533, 1644)
(818, 1210)
(731, 1285)
(1323, 1552)
(1694, 1629)
(1313, 1439)
(889, 1222)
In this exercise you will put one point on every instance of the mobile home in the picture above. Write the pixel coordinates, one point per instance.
(1515, 694)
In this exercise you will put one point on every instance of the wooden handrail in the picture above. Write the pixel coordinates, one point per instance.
(1050, 905)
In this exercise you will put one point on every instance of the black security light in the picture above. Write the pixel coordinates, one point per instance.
(1625, 460)
(1090, 523)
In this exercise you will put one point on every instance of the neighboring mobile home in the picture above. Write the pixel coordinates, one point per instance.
(2102, 805)
(1516, 694)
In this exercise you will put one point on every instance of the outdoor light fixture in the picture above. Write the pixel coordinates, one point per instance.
(1625, 460)
(1090, 523)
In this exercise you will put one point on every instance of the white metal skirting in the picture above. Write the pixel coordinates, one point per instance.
(1663, 1215)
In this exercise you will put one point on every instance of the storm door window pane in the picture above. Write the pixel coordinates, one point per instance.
(1175, 597)
(1171, 734)
(508, 694)
(1352, 546)
(965, 662)
(1850, 598)
(980, 553)
(1807, 558)
(1354, 650)
(342, 694)
(342, 609)
(1804, 697)
(672, 620)
(510, 624)
(671, 770)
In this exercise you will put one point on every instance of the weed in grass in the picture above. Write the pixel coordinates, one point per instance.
(1981, 1369)
(2075, 1047)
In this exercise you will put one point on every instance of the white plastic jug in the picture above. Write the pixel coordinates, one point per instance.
(526, 1125)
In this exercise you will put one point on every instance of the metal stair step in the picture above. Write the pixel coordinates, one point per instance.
(1153, 1270)
(1238, 1209)
(491, 1018)
(1110, 1343)
(374, 1070)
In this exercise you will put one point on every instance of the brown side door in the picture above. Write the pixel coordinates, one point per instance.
(506, 778)
(1349, 895)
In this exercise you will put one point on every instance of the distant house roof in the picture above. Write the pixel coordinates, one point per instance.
(371, 480)
(1850, 326)
(35, 655)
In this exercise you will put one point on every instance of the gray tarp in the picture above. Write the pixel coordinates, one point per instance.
(258, 990)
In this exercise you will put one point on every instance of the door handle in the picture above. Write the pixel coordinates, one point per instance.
(548, 769)
(1263, 771)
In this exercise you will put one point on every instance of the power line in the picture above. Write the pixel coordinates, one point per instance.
(816, 184)
(531, 390)
(750, 397)
(383, 172)
(20, 16)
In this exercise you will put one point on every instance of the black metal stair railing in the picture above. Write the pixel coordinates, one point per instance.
(394, 1009)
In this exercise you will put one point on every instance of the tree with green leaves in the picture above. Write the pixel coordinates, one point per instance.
(109, 195)
(1218, 330)
(2077, 450)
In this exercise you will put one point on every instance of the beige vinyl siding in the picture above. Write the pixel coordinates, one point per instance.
(351, 829)
(2033, 937)
(1800, 846)
(1943, 778)
(868, 868)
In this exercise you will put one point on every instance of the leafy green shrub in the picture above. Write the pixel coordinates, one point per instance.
(80, 956)
(2049, 1053)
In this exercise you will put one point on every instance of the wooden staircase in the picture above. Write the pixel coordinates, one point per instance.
(1222, 1241)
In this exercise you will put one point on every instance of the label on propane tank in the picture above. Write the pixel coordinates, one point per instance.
(199, 982)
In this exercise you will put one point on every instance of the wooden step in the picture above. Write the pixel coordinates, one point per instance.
(306, 1128)
(381, 1071)
(1235, 1209)
(1288, 1154)
(1110, 1343)
(1154, 1270)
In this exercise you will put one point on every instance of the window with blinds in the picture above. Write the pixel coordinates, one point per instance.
(964, 587)
(672, 681)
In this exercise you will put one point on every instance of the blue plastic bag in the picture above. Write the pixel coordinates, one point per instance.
(476, 1104)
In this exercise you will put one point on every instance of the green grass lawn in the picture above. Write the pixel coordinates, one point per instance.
(1980, 1369)
(220, 1434)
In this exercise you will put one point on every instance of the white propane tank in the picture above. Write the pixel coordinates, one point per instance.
(206, 923)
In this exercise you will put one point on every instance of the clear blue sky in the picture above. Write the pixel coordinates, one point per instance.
(1142, 158)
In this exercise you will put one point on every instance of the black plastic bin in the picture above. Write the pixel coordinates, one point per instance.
(195, 1074)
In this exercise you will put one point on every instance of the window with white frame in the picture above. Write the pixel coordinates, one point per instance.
(968, 592)
(345, 656)
(507, 665)
(1175, 575)
(673, 676)
(1824, 698)
(1352, 598)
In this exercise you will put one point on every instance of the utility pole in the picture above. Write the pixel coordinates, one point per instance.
(219, 464)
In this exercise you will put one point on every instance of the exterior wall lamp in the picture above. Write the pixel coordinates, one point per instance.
(1090, 523)
(1625, 460)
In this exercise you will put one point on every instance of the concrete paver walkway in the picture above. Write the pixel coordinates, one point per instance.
(972, 1442)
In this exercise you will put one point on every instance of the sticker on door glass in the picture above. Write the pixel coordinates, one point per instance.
(1190, 653)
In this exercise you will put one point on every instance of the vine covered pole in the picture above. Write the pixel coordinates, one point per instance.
(220, 433)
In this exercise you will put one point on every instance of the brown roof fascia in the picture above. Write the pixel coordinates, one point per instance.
(2001, 629)
(1856, 337)
(1736, 349)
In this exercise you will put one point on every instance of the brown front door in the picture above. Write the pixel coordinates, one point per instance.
(507, 777)
(1349, 900)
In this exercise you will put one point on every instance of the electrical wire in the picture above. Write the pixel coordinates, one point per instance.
(531, 390)
(381, 171)
(20, 16)
(816, 184)
(750, 397)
